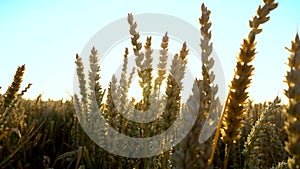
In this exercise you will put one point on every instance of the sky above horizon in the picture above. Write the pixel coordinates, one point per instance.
(46, 35)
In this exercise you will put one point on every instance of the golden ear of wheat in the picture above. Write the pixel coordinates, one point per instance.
(293, 109)
(10, 115)
(231, 121)
(234, 111)
(11, 92)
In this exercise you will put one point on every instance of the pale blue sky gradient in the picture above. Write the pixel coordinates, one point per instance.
(46, 35)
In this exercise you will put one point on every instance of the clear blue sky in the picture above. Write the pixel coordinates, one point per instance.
(46, 35)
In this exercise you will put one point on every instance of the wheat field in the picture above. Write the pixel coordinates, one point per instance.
(51, 134)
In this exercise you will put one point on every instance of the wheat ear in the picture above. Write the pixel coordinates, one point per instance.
(10, 96)
(195, 154)
(11, 92)
(233, 114)
(143, 62)
(292, 125)
(185, 156)
(263, 145)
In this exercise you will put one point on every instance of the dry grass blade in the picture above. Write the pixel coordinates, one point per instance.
(23, 143)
